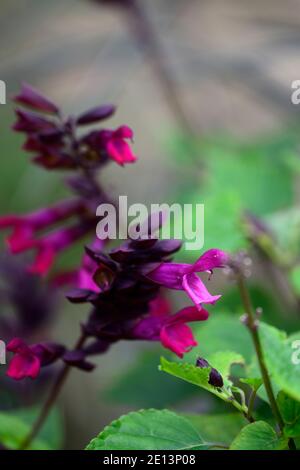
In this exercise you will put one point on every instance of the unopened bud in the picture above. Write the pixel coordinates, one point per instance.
(215, 378)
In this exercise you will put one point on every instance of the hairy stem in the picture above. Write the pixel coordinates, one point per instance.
(52, 397)
(252, 324)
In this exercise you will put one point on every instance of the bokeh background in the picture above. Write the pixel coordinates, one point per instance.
(232, 64)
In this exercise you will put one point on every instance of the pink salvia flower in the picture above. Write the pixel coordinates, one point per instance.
(25, 363)
(181, 276)
(117, 147)
(28, 360)
(25, 232)
(48, 247)
(170, 330)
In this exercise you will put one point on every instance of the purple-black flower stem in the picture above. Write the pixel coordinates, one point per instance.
(252, 325)
(52, 397)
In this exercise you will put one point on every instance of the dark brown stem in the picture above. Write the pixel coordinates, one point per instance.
(252, 324)
(55, 390)
(147, 39)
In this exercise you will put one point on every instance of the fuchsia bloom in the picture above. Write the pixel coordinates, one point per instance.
(181, 276)
(170, 330)
(27, 360)
(54, 141)
(117, 147)
(113, 143)
(25, 232)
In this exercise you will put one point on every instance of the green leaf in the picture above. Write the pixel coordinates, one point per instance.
(197, 376)
(149, 430)
(278, 354)
(258, 436)
(13, 432)
(255, 383)
(290, 412)
(52, 432)
(224, 360)
(220, 428)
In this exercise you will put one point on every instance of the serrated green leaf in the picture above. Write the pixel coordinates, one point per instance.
(197, 376)
(290, 412)
(258, 436)
(149, 430)
(220, 428)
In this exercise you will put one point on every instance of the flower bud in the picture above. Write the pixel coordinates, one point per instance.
(215, 378)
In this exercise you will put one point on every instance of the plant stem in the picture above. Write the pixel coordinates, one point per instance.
(252, 325)
(147, 39)
(54, 392)
(251, 406)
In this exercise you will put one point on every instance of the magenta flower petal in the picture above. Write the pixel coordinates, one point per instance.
(178, 338)
(34, 99)
(28, 360)
(25, 363)
(123, 132)
(176, 335)
(22, 366)
(197, 291)
(160, 306)
(120, 151)
(43, 262)
(189, 314)
(169, 275)
(210, 260)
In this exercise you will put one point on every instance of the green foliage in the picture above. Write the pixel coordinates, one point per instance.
(15, 427)
(278, 355)
(254, 383)
(200, 376)
(238, 176)
(220, 428)
(149, 430)
(258, 436)
(224, 360)
(290, 412)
